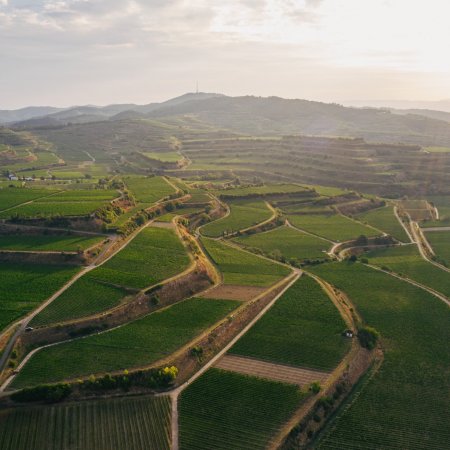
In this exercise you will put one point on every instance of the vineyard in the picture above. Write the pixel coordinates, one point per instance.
(226, 410)
(440, 242)
(405, 405)
(135, 344)
(58, 243)
(131, 423)
(241, 268)
(10, 197)
(148, 189)
(303, 328)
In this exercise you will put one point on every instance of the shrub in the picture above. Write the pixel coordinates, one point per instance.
(315, 387)
(47, 393)
(368, 337)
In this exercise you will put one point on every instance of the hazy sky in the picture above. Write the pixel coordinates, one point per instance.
(109, 51)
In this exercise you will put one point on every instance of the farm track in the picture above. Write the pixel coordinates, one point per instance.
(270, 371)
(431, 229)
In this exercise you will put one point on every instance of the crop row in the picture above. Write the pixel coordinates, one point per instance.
(148, 189)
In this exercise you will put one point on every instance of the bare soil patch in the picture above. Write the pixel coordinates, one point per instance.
(232, 292)
(162, 224)
(271, 371)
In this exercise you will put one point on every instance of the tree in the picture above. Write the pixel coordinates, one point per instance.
(368, 337)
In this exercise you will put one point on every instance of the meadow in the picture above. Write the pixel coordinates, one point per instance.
(303, 328)
(288, 242)
(148, 189)
(57, 243)
(406, 260)
(227, 410)
(334, 227)
(152, 256)
(242, 268)
(138, 343)
(405, 404)
(24, 286)
(440, 242)
(243, 214)
(131, 423)
(385, 220)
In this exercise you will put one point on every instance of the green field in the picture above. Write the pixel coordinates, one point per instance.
(82, 195)
(10, 197)
(405, 405)
(24, 286)
(385, 220)
(335, 227)
(169, 157)
(406, 260)
(125, 423)
(243, 214)
(148, 189)
(438, 149)
(58, 243)
(288, 242)
(242, 268)
(85, 297)
(440, 242)
(227, 410)
(442, 202)
(152, 256)
(263, 190)
(135, 344)
(303, 328)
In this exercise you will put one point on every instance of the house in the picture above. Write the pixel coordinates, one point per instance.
(12, 177)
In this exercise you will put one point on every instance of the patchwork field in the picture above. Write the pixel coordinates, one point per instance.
(135, 344)
(57, 243)
(24, 286)
(242, 268)
(131, 423)
(385, 220)
(287, 242)
(10, 197)
(407, 261)
(405, 405)
(152, 256)
(263, 190)
(227, 410)
(303, 328)
(334, 227)
(243, 214)
(149, 189)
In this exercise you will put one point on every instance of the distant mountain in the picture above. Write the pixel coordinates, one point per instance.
(440, 105)
(17, 115)
(440, 115)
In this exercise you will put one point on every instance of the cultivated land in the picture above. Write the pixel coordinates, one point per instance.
(57, 243)
(149, 189)
(303, 328)
(288, 242)
(135, 344)
(243, 214)
(405, 404)
(406, 260)
(10, 197)
(242, 268)
(152, 256)
(440, 242)
(332, 226)
(260, 190)
(131, 423)
(385, 220)
(25, 286)
(224, 410)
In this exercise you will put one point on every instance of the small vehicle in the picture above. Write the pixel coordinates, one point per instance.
(29, 329)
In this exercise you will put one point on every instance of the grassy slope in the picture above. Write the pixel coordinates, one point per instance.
(289, 242)
(226, 410)
(24, 286)
(137, 343)
(406, 404)
(384, 219)
(303, 328)
(243, 214)
(243, 268)
(334, 227)
(440, 242)
(149, 190)
(10, 197)
(48, 242)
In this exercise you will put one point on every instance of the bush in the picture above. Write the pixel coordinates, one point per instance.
(47, 393)
(315, 387)
(368, 337)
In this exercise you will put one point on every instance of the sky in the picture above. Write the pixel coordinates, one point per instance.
(76, 52)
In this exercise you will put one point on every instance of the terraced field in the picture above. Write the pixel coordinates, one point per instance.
(405, 404)
(263, 190)
(242, 268)
(135, 344)
(58, 243)
(406, 260)
(287, 242)
(335, 227)
(303, 328)
(131, 423)
(24, 286)
(152, 256)
(170, 157)
(385, 220)
(10, 197)
(226, 410)
(440, 242)
(243, 214)
(149, 189)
